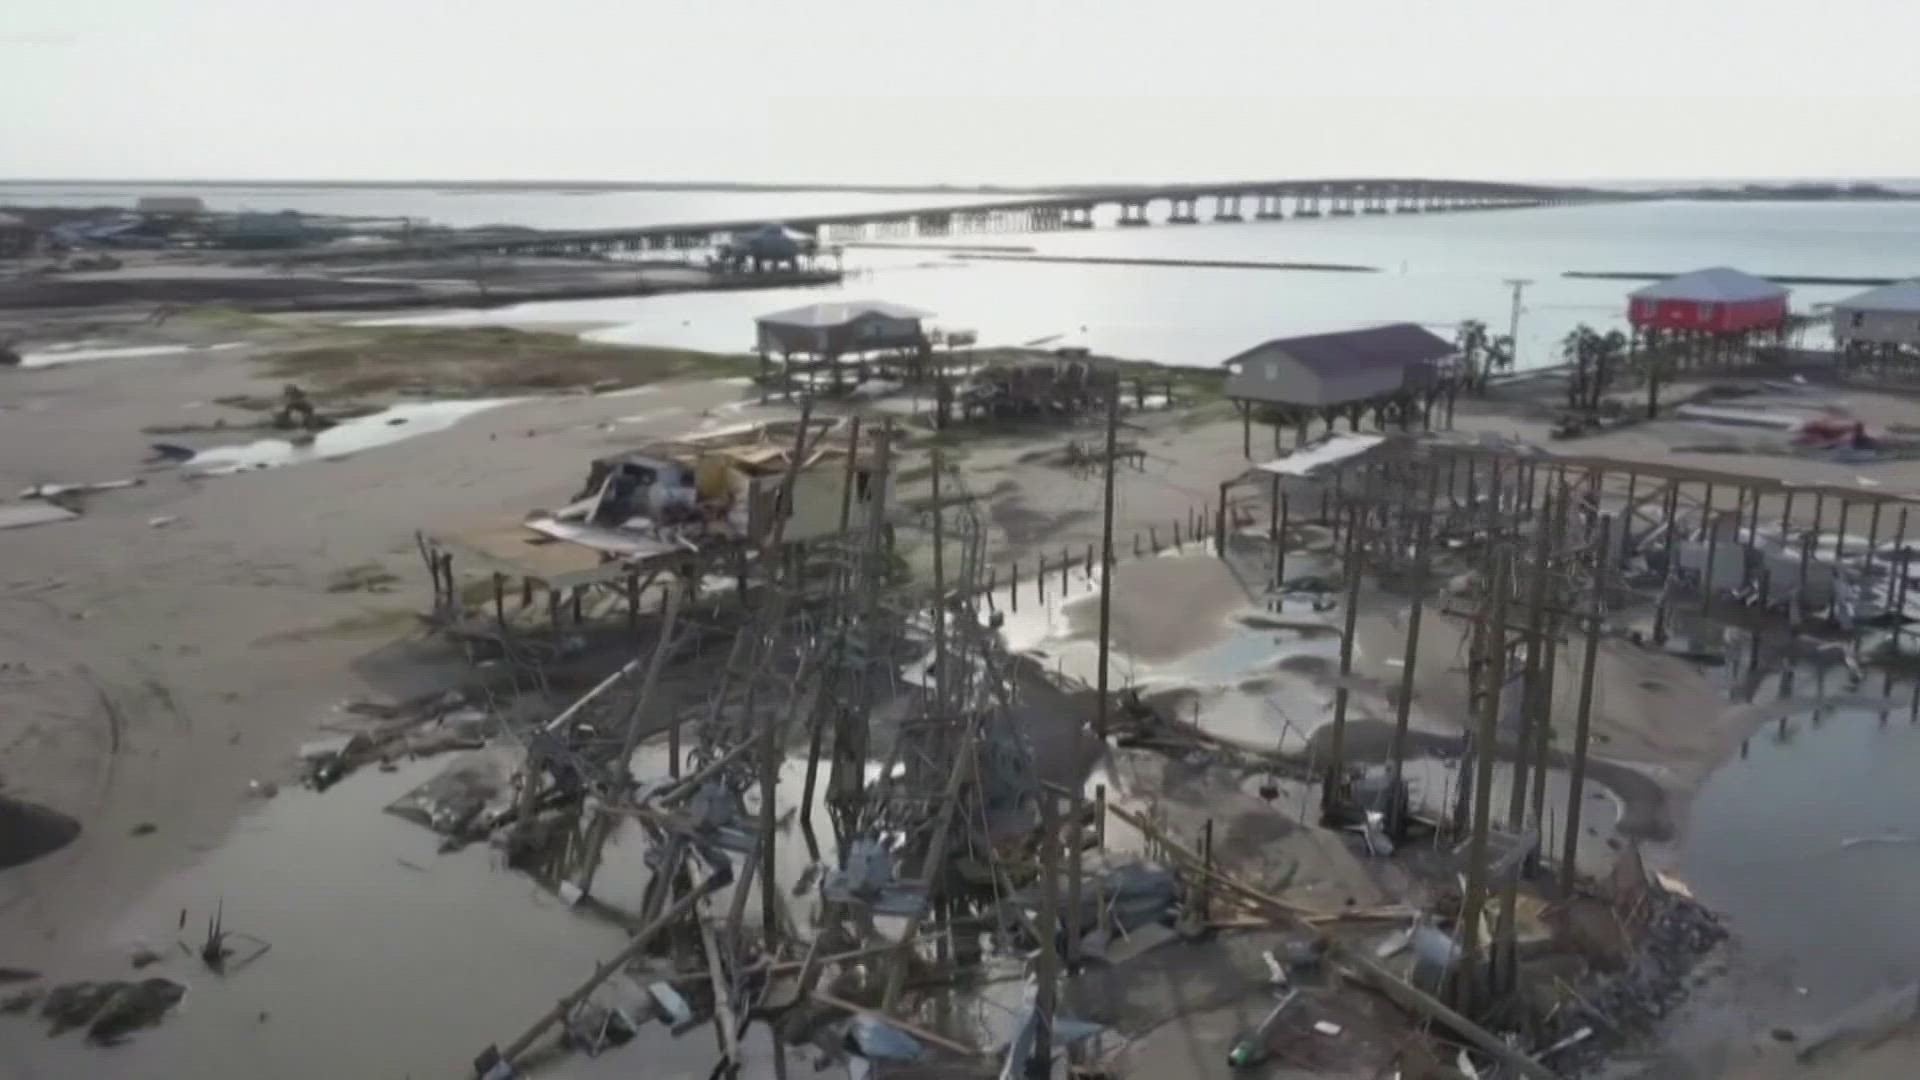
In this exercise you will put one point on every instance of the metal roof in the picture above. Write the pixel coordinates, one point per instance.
(1721, 284)
(817, 316)
(1899, 296)
(1333, 452)
(1393, 345)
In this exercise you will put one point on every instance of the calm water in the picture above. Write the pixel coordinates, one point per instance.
(1811, 845)
(1436, 269)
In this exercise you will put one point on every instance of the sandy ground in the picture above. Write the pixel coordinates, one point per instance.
(153, 672)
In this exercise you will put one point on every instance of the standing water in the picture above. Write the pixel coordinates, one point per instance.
(1810, 844)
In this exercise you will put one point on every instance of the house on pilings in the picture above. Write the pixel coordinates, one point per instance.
(1396, 372)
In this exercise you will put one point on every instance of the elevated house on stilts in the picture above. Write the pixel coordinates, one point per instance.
(1395, 372)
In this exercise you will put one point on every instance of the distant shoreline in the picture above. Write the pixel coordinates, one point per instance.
(1807, 191)
(1777, 279)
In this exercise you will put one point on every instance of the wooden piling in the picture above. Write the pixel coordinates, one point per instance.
(1046, 992)
(1626, 518)
(1100, 816)
(1332, 785)
(1582, 724)
(1713, 547)
(1530, 687)
(1840, 537)
(1543, 730)
(500, 601)
(1486, 747)
(1403, 708)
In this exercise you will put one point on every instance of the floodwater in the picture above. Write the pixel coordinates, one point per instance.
(391, 425)
(1810, 844)
(76, 352)
(388, 957)
(365, 920)
(1434, 269)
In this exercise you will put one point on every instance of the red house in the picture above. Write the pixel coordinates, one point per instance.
(1720, 299)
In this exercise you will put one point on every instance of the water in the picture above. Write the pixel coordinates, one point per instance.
(541, 208)
(1435, 270)
(390, 425)
(1768, 846)
(75, 352)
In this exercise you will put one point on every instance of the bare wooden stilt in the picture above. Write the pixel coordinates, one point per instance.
(1332, 785)
(1485, 748)
(1403, 708)
(1582, 726)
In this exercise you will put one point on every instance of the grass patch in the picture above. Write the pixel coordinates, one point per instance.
(487, 362)
(226, 315)
(365, 577)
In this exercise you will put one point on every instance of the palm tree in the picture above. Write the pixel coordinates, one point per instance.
(1499, 358)
(1609, 350)
(1471, 340)
(1577, 350)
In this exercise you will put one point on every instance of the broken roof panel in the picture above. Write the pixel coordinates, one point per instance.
(1333, 452)
(1715, 284)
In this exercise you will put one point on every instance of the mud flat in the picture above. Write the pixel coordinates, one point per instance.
(171, 648)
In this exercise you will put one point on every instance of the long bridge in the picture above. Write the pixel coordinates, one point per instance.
(1054, 210)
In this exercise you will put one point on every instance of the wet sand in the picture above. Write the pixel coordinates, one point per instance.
(155, 671)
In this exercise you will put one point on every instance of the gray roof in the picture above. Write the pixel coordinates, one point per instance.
(1714, 284)
(815, 316)
(1394, 345)
(1899, 296)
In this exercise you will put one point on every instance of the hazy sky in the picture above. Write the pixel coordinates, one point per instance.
(958, 90)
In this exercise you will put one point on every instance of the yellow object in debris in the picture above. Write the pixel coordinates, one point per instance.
(710, 480)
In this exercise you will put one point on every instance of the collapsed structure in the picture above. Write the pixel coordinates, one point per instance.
(847, 691)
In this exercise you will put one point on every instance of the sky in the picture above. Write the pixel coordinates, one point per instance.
(958, 91)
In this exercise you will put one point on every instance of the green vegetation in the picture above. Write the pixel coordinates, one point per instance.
(364, 577)
(486, 362)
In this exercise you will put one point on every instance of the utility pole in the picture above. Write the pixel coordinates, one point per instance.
(1519, 286)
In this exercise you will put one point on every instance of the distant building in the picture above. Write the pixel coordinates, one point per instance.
(1888, 315)
(837, 329)
(17, 238)
(822, 337)
(1319, 371)
(287, 228)
(1719, 299)
(170, 206)
(1398, 371)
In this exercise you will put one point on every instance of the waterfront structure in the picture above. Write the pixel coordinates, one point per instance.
(823, 336)
(1718, 300)
(1055, 210)
(1888, 315)
(1394, 371)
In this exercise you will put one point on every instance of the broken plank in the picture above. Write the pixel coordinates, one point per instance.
(909, 1027)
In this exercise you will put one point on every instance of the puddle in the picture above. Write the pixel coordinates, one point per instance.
(1804, 844)
(28, 831)
(56, 355)
(401, 422)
